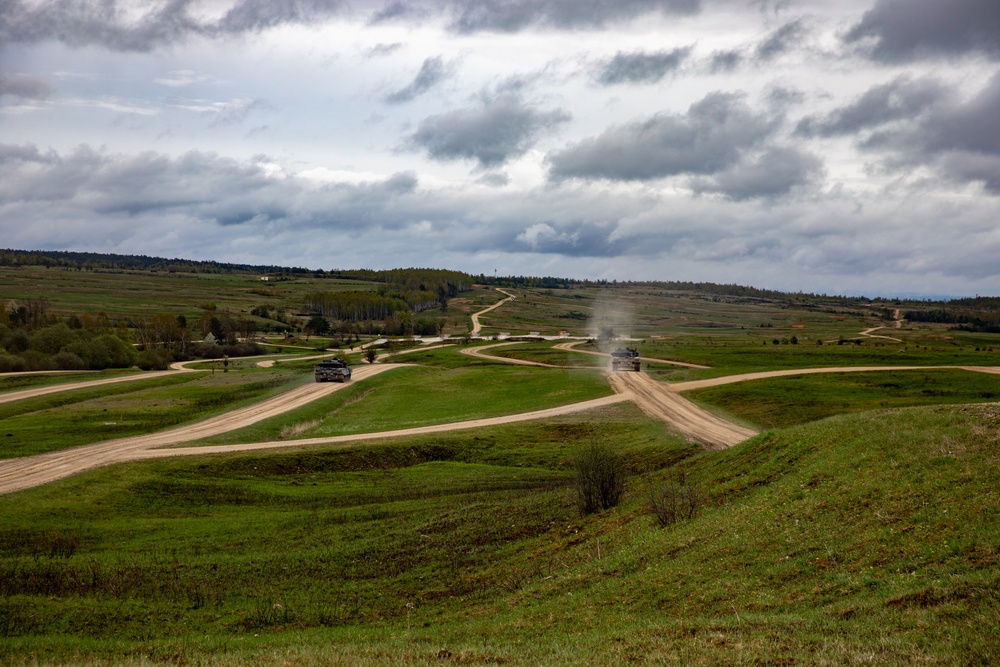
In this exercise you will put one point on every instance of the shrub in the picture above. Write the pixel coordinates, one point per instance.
(10, 363)
(675, 500)
(154, 359)
(600, 478)
(67, 361)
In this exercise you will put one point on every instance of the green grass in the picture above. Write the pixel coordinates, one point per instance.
(787, 401)
(865, 539)
(419, 396)
(72, 418)
(23, 381)
(546, 353)
(743, 357)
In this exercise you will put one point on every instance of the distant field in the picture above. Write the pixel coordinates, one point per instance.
(79, 417)
(728, 358)
(788, 401)
(409, 397)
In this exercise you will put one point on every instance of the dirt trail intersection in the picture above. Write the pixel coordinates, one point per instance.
(658, 400)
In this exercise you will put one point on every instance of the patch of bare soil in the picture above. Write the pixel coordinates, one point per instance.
(659, 402)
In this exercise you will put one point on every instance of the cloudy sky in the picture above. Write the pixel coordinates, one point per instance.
(848, 147)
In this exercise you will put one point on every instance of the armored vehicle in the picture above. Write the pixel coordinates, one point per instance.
(625, 360)
(333, 370)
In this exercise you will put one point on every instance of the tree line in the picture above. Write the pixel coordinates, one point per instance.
(982, 321)
(34, 339)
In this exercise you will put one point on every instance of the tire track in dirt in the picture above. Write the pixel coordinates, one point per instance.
(479, 352)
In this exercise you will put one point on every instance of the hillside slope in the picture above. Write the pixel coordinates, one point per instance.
(863, 539)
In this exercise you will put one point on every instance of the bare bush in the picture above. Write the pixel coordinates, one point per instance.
(678, 499)
(600, 478)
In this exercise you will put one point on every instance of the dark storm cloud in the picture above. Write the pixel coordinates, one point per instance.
(920, 123)
(781, 41)
(515, 15)
(85, 22)
(82, 23)
(962, 139)
(900, 30)
(724, 61)
(431, 73)
(23, 87)
(773, 174)
(901, 99)
(711, 137)
(200, 187)
(502, 128)
(256, 15)
(641, 67)
(89, 22)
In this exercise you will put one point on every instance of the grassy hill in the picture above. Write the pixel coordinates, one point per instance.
(863, 539)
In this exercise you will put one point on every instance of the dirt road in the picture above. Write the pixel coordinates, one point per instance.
(480, 352)
(743, 377)
(476, 328)
(26, 472)
(355, 437)
(658, 401)
(572, 348)
(86, 384)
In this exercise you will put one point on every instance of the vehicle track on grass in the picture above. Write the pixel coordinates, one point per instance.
(654, 398)
(29, 471)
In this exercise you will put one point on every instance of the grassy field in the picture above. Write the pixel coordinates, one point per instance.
(133, 293)
(787, 401)
(420, 396)
(468, 548)
(83, 416)
(861, 528)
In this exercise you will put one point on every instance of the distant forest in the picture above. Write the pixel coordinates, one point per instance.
(413, 285)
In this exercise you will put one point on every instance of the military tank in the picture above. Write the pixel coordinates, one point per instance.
(333, 370)
(625, 360)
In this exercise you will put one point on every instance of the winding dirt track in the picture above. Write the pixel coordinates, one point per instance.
(476, 328)
(56, 388)
(355, 437)
(26, 472)
(571, 346)
(658, 400)
(480, 352)
(743, 377)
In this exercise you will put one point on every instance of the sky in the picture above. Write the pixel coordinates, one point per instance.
(848, 147)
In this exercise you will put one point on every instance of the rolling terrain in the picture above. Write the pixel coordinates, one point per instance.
(864, 538)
